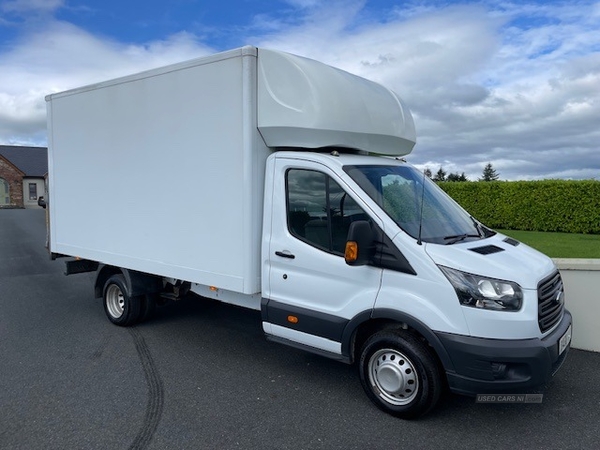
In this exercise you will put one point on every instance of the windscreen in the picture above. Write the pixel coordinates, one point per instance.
(416, 204)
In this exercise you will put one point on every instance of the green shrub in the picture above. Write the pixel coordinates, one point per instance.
(549, 205)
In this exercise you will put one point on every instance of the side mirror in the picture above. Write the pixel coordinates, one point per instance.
(359, 244)
(42, 202)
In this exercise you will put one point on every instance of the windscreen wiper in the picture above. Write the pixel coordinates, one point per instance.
(459, 237)
(478, 227)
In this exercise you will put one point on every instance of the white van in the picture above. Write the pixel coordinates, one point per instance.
(275, 182)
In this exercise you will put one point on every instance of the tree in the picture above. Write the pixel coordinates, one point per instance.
(440, 175)
(489, 173)
(427, 172)
(457, 177)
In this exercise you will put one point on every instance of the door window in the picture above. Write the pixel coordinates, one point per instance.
(319, 211)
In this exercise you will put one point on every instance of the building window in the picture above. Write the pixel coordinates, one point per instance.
(32, 191)
(4, 192)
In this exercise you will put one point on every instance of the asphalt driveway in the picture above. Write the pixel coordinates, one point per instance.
(201, 375)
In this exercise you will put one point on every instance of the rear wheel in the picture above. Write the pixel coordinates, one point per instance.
(400, 374)
(148, 306)
(120, 308)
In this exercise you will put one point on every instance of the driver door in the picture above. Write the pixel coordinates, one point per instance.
(312, 292)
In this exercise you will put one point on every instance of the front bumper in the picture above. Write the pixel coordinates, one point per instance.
(487, 366)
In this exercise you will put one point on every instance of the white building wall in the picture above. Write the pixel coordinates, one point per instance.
(581, 278)
(31, 201)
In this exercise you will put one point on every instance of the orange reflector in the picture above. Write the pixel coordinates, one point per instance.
(351, 253)
(292, 319)
(213, 288)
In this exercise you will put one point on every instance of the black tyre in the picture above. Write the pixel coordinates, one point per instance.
(148, 307)
(400, 374)
(120, 308)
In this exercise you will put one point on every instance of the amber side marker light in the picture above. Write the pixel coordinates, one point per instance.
(292, 319)
(351, 253)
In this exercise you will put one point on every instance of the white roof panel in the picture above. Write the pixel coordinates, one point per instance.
(305, 103)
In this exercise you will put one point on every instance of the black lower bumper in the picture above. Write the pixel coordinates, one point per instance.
(487, 366)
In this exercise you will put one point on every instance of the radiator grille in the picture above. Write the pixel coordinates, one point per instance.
(550, 301)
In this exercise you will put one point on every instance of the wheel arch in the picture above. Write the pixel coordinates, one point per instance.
(138, 283)
(366, 323)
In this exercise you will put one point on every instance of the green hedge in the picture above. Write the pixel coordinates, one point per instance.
(549, 205)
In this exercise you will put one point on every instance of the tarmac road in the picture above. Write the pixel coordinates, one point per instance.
(202, 376)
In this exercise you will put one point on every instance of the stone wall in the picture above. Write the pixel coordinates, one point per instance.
(14, 178)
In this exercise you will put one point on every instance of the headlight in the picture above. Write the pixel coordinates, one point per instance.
(483, 292)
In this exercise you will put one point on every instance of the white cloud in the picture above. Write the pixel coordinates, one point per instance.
(517, 85)
(63, 57)
(28, 6)
(302, 4)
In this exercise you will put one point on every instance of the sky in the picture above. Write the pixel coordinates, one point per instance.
(511, 83)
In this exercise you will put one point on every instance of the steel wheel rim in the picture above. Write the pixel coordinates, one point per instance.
(393, 376)
(115, 301)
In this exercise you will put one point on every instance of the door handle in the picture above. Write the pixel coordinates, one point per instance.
(285, 254)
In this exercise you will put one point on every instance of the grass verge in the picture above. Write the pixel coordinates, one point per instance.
(559, 245)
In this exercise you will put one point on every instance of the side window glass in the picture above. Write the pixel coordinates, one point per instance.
(307, 207)
(319, 211)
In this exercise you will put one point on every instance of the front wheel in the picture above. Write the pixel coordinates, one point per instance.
(120, 307)
(400, 374)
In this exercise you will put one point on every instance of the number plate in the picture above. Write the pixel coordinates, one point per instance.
(564, 341)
